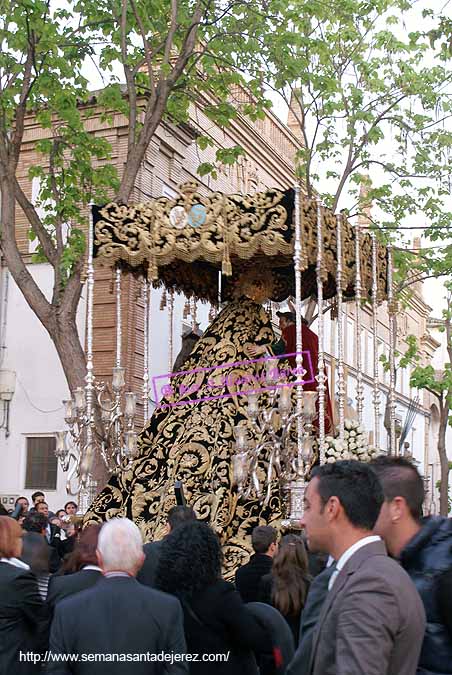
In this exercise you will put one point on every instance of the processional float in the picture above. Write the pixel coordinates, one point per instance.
(198, 244)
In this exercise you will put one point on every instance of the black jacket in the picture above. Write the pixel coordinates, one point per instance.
(120, 617)
(311, 612)
(248, 577)
(23, 620)
(426, 558)
(217, 622)
(62, 586)
(57, 547)
(147, 573)
(280, 635)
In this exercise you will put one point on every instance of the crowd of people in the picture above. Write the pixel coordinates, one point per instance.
(365, 589)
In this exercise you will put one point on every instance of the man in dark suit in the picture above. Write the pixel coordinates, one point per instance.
(38, 522)
(177, 516)
(86, 570)
(53, 532)
(118, 621)
(247, 578)
(372, 620)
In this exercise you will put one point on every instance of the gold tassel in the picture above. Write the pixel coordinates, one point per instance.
(152, 271)
(226, 267)
(163, 301)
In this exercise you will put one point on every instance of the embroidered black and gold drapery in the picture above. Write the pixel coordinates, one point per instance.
(190, 437)
(182, 243)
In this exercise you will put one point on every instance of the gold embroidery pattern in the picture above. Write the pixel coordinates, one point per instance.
(194, 443)
(228, 232)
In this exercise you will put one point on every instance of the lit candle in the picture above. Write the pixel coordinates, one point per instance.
(118, 378)
(130, 449)
(240, 437)
(61, 446)
(271, 370)
(80, 400)
(130, 406)
(285, 401)
(253, 405)
(69, 411)
(309, 403)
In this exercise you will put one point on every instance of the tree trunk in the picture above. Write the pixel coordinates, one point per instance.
(70, 351)
(73, 361)
(59, 323)
(444, 461)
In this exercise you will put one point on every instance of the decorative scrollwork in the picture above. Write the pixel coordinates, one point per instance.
(181, 243)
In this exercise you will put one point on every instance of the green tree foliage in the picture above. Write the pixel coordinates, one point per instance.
(369, 97)
(439, 383)
(156, 59)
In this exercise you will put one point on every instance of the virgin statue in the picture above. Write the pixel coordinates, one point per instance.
(190, 435)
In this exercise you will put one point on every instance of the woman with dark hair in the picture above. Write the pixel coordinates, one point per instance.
(80, 570)
(215, 618)
(36, 553)
(23, 615)
(287, 586)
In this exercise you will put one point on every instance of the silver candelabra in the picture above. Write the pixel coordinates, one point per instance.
(271, 433)
(100, 418)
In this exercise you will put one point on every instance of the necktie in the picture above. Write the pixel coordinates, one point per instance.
(333, 576)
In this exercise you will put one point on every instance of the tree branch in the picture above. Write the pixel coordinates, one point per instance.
(30, 212)
(21, 109)
(171, 33)
(24, 280)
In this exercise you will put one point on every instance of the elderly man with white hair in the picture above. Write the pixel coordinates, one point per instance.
(118, 626)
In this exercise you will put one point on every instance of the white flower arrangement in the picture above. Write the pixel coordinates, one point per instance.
(354, 445)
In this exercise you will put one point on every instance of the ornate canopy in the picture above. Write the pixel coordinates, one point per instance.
(182, 243)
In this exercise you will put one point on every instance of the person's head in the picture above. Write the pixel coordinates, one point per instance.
(120, 547)
(23, 501)
(255, 284)
(264, 539)
(342, 502)
(85, 548)
(179, 515)
(36, 553)
(285, 319)
(403, 490)
(10, 538)
(35, 522)
(42, 507)
(190, 560)
(37, 497)
(290, 575)
(60, 513)
(71, 508)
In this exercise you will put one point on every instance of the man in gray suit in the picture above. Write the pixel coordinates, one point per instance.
(372, 621)
(118, 626)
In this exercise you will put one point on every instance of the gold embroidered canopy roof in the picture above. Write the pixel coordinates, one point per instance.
(182, 243)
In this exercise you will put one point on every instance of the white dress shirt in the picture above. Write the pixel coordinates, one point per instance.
(15, 562)
(348, 554)
(95, 568)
